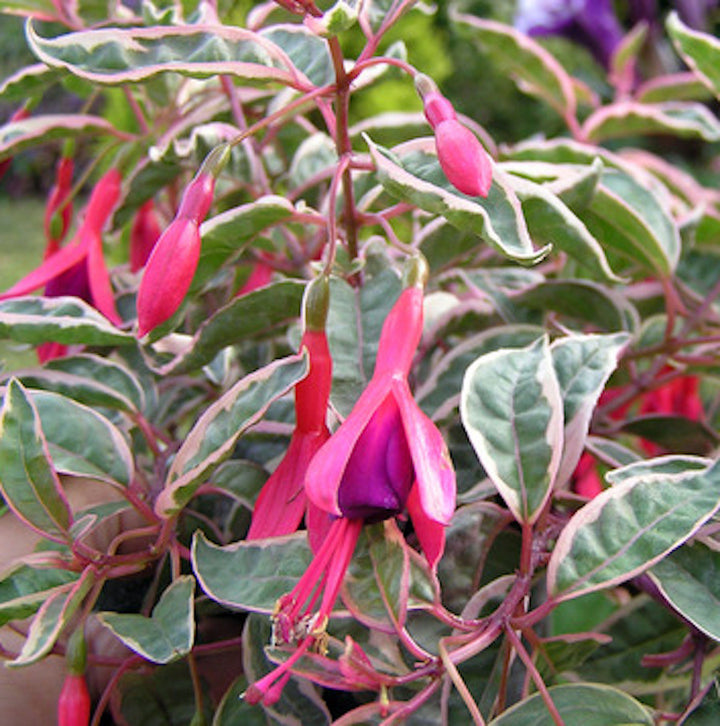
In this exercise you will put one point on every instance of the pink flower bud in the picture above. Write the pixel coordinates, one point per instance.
(74, 702)
(171, 266)
(57, 223)
(168, 274)
(463, 158)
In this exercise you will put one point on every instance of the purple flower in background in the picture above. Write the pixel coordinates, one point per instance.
(591, 23)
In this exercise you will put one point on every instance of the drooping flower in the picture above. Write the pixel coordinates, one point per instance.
(79, 268)
(282, 501)
(59, 209)
(461, 155)
(385, 457)
(591, 23)
(172, 263)
(144, 233)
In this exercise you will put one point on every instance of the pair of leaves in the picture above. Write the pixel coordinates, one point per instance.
(527, 412)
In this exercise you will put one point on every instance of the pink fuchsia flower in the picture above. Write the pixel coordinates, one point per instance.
(79, 268)
(260, 275)
(387, 456)
(586, 479)
(461, 155)
(59, 208)
(282, 501)
(172, 263)
(144, 233)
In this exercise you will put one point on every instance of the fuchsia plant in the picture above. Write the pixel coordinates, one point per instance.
(349, 408)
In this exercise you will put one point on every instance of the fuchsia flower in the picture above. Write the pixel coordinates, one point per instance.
(79, 268)
(171, 266)
(57, 224)
(461, 155)
(385, 457)
(144, 233)
(282, 502)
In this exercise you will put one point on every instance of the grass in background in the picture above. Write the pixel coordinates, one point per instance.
(21, 247)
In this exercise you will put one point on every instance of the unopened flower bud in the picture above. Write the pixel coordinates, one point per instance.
(460, 153)
(463, 158)
(74, 702)
(171, 266)
(144, 234)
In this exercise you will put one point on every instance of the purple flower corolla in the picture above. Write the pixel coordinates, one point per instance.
(387, 456)
(591, 23)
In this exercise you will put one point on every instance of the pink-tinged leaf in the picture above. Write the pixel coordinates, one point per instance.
(512, 411)
(28, 82)
(626, 529)
(701, 51)
(52, 617)
(127, 55)
(56, 264)
(629, 118)
(213, 437)
(534, 69)
(673, 87)
(28, 481)
(35, 130)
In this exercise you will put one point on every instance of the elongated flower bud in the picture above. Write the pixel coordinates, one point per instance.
(460, 153)
(171, 266)
(74, 702)
(463, 159)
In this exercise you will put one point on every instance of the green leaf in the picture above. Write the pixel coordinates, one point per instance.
(24, 589)
(82, 441)
(412, 173)
(308, 52)
(227, 233)
(566, 652)
(532, 68)
(28, 82)
(439, 395)
(689, 578)
(355, 319)
(659, 465)
(583, 364)
(631, 526)
(233, 709)
(674, 434)
(512, 412)
(578, 703)
(104, 373)
(673, 118)
(626, 217)
(36, 130)
(168, 634)
(700, 51)
(67, 320)
(582, 300)
(250, 575)
(260, 312)
(673, 87)
(129, 55)
(213, 437)
(28, 480)
(551, 222)
(51, 618)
